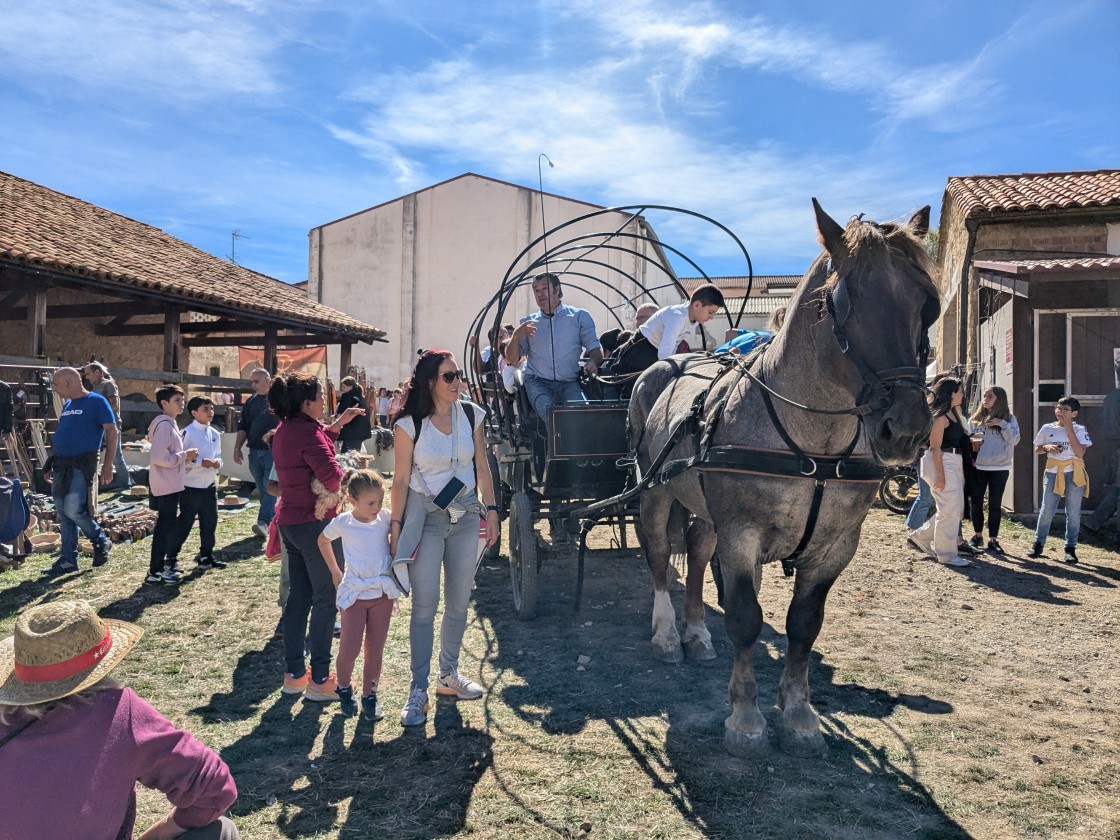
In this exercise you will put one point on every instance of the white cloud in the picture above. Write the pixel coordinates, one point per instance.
(186, 49)
(607, 143)
(694, 35)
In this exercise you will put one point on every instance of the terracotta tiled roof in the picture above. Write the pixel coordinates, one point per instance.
(1101, 263)
(761, 282)
(46, 229)
(978, 195)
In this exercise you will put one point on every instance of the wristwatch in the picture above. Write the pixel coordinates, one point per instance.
(492, 507)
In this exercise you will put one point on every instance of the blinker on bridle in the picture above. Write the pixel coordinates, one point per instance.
(878, 385)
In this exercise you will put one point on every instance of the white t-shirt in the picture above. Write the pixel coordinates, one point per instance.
(438, 457)
(367, 573)
(209, 445)
(1056, 433)
(667, 328)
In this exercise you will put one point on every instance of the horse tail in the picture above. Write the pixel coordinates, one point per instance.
(677, 531)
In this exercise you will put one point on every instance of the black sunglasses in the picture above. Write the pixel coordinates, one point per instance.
(451, 375)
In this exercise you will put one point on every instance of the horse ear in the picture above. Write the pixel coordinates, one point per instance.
(831, 234)
(919, 222)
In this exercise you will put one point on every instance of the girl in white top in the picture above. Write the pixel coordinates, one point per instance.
(366, 590)
(435, 442)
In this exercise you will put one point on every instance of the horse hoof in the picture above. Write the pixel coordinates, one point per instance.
(746, 745)
(699, 650)
(671, 653)
(803, 744)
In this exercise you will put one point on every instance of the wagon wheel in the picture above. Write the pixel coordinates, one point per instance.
(898, 490)
(523, 557)
(495, 551)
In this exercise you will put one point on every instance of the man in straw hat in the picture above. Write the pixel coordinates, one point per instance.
(74, 742)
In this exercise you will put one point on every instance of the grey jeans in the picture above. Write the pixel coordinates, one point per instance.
(454, 550)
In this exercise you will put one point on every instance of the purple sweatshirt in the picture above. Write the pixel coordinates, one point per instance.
(168, 459)
(73, 773)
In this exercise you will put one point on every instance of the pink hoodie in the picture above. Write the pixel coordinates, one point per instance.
(168, 460)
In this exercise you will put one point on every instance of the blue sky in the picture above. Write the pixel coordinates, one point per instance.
(272, 117)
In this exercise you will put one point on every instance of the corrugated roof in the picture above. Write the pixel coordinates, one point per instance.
(977, 195)
(761, 282)
(760, 305)
(1102, 263)
(44, 228)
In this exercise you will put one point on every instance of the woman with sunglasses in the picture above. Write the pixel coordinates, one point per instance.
(303, 451)
(440, 464)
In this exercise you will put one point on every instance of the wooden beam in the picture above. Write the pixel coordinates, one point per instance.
(258, 340)
(344, 360)
(171, 340)
(270, 349)
(11, 300)
(37, 322)
(84, 310)
(191, 327)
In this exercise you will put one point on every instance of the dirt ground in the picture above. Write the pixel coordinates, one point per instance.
(956, 702)
(979, 702)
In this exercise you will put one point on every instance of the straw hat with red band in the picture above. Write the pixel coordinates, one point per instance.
(59, 649)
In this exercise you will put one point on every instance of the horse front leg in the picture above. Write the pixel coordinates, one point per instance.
(745, 728)
(653, 531)
(697, 641)
(800, 724)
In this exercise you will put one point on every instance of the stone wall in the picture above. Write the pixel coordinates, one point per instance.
(72, 341)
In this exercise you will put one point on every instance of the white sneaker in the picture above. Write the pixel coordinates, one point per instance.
(459, 686)
(953, 560)
(260, 530)
(415, 711)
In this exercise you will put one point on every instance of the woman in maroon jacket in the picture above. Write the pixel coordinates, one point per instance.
(302, 451)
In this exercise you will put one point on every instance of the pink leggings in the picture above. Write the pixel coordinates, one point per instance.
(372, 616)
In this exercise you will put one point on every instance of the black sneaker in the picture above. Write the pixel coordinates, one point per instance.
(1071, 555)
(371, 709)
(164, 578)
(210, 562)
(977, 542)
(346, 702)
(966, 550)
(1036, 550)
(58, 568)
(101, 553)
(995, 547)
(171, 566)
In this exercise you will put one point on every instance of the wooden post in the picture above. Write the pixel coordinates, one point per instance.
(344, 360)
(37, 323)
(171, 339)
(270, 350)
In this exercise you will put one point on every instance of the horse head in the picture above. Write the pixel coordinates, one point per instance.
(881, 301)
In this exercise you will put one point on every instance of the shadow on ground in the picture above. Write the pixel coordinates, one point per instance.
(281, 761)
(860, 789)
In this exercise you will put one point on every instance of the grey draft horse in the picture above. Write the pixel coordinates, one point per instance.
(841, 381)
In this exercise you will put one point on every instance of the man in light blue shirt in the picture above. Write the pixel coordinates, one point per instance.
(553, 339)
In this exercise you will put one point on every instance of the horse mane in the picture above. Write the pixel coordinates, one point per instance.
(861, 234)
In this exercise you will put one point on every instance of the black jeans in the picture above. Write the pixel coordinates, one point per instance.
(312, 592)
(203, 503)
(163, 537)
(994, 482)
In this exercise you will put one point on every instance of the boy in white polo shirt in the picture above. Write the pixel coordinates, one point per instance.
(660, 337)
